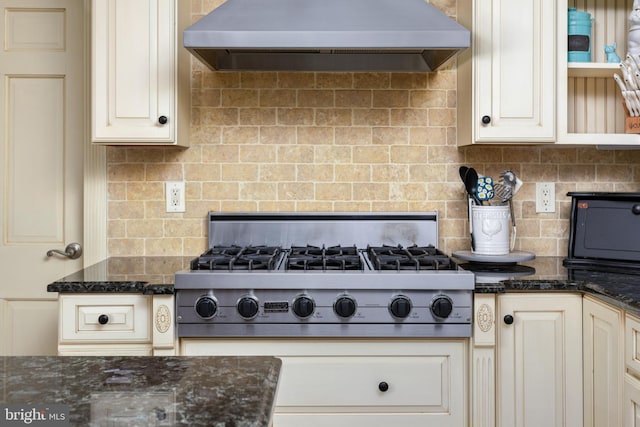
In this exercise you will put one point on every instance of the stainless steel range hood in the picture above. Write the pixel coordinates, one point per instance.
(326, 35)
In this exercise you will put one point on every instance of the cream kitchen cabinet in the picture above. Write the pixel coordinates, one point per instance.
(517, 79)
(373, 383)
(590, 108)
(632, 376)
(115, 324)
(603, 355)
(539, 360)
(139, 73)
(506, 80)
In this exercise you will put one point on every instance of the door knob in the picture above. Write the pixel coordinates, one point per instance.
(72, 251)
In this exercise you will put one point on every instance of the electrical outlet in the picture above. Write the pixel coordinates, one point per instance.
(174, 195)
(545, 197)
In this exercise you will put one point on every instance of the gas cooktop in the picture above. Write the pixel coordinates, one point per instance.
(284, 275)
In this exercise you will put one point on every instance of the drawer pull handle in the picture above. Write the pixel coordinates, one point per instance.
(635, 209)
(383, 386)
(508, 319)
(103, 319)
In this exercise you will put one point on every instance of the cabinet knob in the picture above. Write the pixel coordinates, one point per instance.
(486, 120)
(103, 319)
(163, 120)
(635, 209)
(383, 386)
(508, 319)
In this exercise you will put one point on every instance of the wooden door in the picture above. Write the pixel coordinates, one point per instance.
(539, 366)
(43, 132)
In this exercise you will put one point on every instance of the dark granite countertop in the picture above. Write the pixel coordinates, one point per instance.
(146, 275)
(163, 391)
(154, 275)
(549, 275)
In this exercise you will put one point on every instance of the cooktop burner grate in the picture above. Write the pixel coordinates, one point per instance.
(238, 258)
(410, 258)
(324, 258)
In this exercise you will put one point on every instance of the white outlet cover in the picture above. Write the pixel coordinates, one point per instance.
(175, 196)
(545, 197)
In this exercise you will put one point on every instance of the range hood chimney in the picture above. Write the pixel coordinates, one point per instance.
(326, 35)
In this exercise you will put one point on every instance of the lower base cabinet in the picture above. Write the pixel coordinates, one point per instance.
(539, 360)
(631, 402)
(373, 383)
(631, 410)
(113, 324)
(603, 343)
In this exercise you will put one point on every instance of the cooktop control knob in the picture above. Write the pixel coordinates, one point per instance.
(206, 307)
(248, 307)
(345, 306)
(441, 306)
(400, 307)
(303, 306)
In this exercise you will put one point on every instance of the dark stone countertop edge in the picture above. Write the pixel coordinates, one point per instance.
(623, 300)
(111, 288)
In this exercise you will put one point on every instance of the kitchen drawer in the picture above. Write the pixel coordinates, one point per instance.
(126, 316)
(358, 383)
(632, 345)
(336, 383)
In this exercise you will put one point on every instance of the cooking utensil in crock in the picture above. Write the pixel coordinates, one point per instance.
(463, 175)
(509, 181)
(471, 183)
(484, 188)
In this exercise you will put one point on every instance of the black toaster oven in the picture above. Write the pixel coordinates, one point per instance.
(604, 230)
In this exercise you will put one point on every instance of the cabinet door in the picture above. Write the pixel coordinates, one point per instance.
(514, 75)
(133, 71)
(632, 402)
(603, 343)
(539, 369)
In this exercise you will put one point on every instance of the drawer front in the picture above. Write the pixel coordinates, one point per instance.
(336, 383)
(100, 318)
(373, 384)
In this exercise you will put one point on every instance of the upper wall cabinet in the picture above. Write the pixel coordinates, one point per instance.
(589, 101)
(506, 88)
(516, 77)
(139, 73)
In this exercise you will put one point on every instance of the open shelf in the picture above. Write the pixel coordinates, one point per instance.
(592, 69)
(589, 101)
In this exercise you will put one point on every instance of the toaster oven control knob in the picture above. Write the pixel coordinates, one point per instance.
(400, 307)
(345, 306)
(206, 307)
(248, 307)
(303, 307)
(441, 306)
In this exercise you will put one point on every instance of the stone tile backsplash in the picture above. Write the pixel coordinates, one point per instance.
(336, 142)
